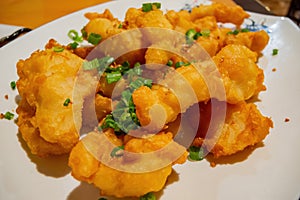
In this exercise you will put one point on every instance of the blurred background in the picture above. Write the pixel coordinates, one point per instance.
(277, 7)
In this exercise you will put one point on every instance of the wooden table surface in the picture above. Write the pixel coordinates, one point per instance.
(34, 13)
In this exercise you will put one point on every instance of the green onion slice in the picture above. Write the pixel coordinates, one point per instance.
(67, 102)
(196, 153)
(58, 49)
(98, 63)
(94, 38)
(117, 151)
(146, 7)
(148, 196)
(8, 115)
(274, 52)
(73, 35)
(13, 85)
(170, 63)
(73, 45)
(113, 77)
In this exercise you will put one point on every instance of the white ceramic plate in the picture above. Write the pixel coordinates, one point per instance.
(271, 171)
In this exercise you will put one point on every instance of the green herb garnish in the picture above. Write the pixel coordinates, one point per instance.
(148, 196)
(8, 115)
(67, 102)
(73, 45)
(13, 85)
(170, 63)
(73, 35)
(94, 38)
(196, 153)
(146, 7)
(98, 63)
(274, 52)
(181, 63)
(117, 151)
(123, 117)
(58, 49)
(113, 77)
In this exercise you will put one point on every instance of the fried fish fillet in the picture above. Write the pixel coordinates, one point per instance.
(238, 74)
(46, 80)
(243, 126)
(222, 12)
(114, 182)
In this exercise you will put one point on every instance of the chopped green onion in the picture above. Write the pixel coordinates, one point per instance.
(8, 115)
(157, 5)
(148, 196)
(146, 7)
(94, 38)
(170, 63)
(190, 33)
(73, 35)
(84, 33)
(120, 26)
(58, 49)
(123, 117)
(113, 77)
(117, 151)
(245, 30)
(235, 32)
(181, 63)
(73, 45)
(13, 85)
(139, 82)
(98, 63)
(109, 122)
(274, 52)
(67, 101)
(196, 153)
(197, 35)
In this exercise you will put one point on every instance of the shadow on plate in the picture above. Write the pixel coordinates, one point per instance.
(88, 191)
(235, 158)
(55, 166)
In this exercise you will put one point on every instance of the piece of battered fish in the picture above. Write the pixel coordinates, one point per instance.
(121, 183)
(46, 81)
(243, 126)
(236, 72)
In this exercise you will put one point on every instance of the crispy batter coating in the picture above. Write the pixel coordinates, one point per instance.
(244, 126)
(104, 24)
(222, 12)
(136, 18)
(255, 41)
(117, 183)
(46, 80)
(241, 76)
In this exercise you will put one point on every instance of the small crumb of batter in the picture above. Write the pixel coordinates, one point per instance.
(274, 70)
(6, 96)
(286, 119)
(213, 164)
